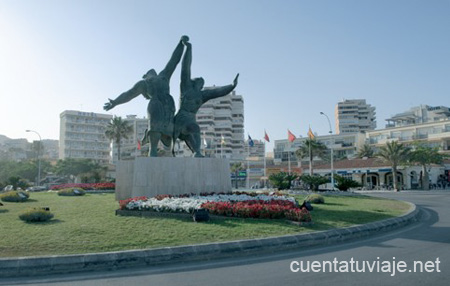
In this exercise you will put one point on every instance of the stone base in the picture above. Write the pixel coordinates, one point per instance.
(151, 176)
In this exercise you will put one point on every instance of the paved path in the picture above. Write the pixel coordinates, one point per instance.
(426, 240)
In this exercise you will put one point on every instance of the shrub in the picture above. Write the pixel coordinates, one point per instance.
(35, 215)
(343, 184)
(71, 192)
(314, 181)
(315, 199)
(282, 180)
(15, 196)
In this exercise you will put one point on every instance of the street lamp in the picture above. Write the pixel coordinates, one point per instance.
(39, 157)
(331, 148)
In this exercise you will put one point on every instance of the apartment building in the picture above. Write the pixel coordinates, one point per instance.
(419, 114)
(82, 135)
(354, 115)
(344, 146)
(221, 122)
(433, 134)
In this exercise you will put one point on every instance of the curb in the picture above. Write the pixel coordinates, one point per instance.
(45, 265)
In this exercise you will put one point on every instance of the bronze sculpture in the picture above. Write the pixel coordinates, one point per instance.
(161, 108)
(192, 97)
(163, 125)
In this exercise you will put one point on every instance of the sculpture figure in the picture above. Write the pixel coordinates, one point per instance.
(192, 97)
(161, 108)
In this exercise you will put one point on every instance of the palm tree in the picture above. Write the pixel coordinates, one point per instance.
(395, 154)
(317, 149)
(365, 151)
(116, 130)
(425, 156)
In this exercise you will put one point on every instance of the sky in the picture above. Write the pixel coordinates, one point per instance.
(296, 58)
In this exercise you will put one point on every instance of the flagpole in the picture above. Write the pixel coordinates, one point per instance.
(289, 158)
(248, 167)
(310, 159)
(266, 139)
(265, 172)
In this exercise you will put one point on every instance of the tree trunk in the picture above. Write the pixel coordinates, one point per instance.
(425, 178)
(394, 178)
(118, 151)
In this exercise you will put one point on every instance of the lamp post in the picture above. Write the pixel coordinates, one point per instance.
(331, 148)
(39, 157)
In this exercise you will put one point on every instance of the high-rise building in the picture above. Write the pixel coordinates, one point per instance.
(221, 122)
(82, 135)
(354, 115)
(418, 115)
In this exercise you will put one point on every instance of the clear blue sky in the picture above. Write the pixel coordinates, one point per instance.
(295, 58)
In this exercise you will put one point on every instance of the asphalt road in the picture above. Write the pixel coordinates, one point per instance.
(419, 254)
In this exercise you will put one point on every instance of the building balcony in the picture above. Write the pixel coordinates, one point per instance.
(439, 135)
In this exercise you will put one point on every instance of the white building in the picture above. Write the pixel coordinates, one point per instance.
(372, 173)
(344, 146)
(354, 115)
(221, 122)
(82, 135)
(419, 114)
(433, 134)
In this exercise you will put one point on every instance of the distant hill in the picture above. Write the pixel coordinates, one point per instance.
(3, 138)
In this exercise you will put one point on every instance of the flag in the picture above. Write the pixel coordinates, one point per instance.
(291, 137)
(222, 140)
(311, 134)
(139, 144)
(250, 141)
(266, 137)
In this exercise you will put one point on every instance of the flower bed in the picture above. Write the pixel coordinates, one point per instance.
(242, 205)
(85, 186)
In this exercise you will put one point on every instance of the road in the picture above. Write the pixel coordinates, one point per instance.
(419, 254)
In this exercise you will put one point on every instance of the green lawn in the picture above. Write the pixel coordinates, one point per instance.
(88, 224)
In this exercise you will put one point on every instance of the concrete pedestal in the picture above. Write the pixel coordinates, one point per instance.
(150, 176)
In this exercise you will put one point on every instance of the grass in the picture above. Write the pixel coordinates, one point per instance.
(88, 224)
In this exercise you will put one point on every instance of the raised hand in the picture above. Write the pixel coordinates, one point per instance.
(235, 81)
(109, 105)
(184, 39)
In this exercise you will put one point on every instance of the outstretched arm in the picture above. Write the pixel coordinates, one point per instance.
(137, 89)
(186, 68)
(216, 92)
(175, 59)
